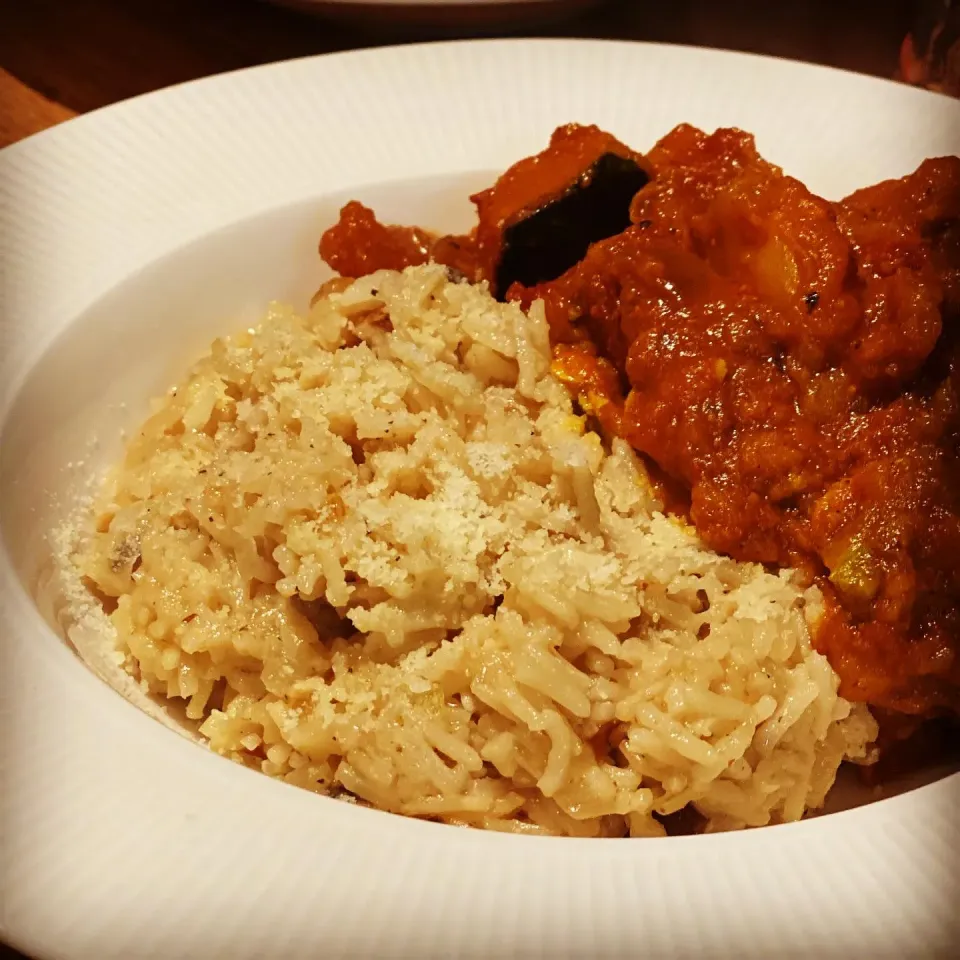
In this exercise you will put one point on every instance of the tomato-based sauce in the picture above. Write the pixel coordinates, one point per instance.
(359, 244)
(791, 365)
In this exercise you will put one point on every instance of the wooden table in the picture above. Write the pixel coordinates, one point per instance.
(63, 57)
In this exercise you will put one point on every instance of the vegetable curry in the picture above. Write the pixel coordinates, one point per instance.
(791, 367)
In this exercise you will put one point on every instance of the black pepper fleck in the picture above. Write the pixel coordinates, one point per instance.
(811, 300)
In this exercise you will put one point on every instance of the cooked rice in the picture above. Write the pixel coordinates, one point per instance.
(378, 555)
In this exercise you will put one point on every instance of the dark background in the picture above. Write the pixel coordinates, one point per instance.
(88, 53)
(84, 54)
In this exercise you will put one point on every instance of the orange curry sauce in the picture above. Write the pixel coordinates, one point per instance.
(790, 364)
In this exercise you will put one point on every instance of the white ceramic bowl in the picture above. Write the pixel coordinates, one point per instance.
(130, 237)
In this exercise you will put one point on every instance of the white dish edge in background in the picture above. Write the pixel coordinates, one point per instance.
(120, 840)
